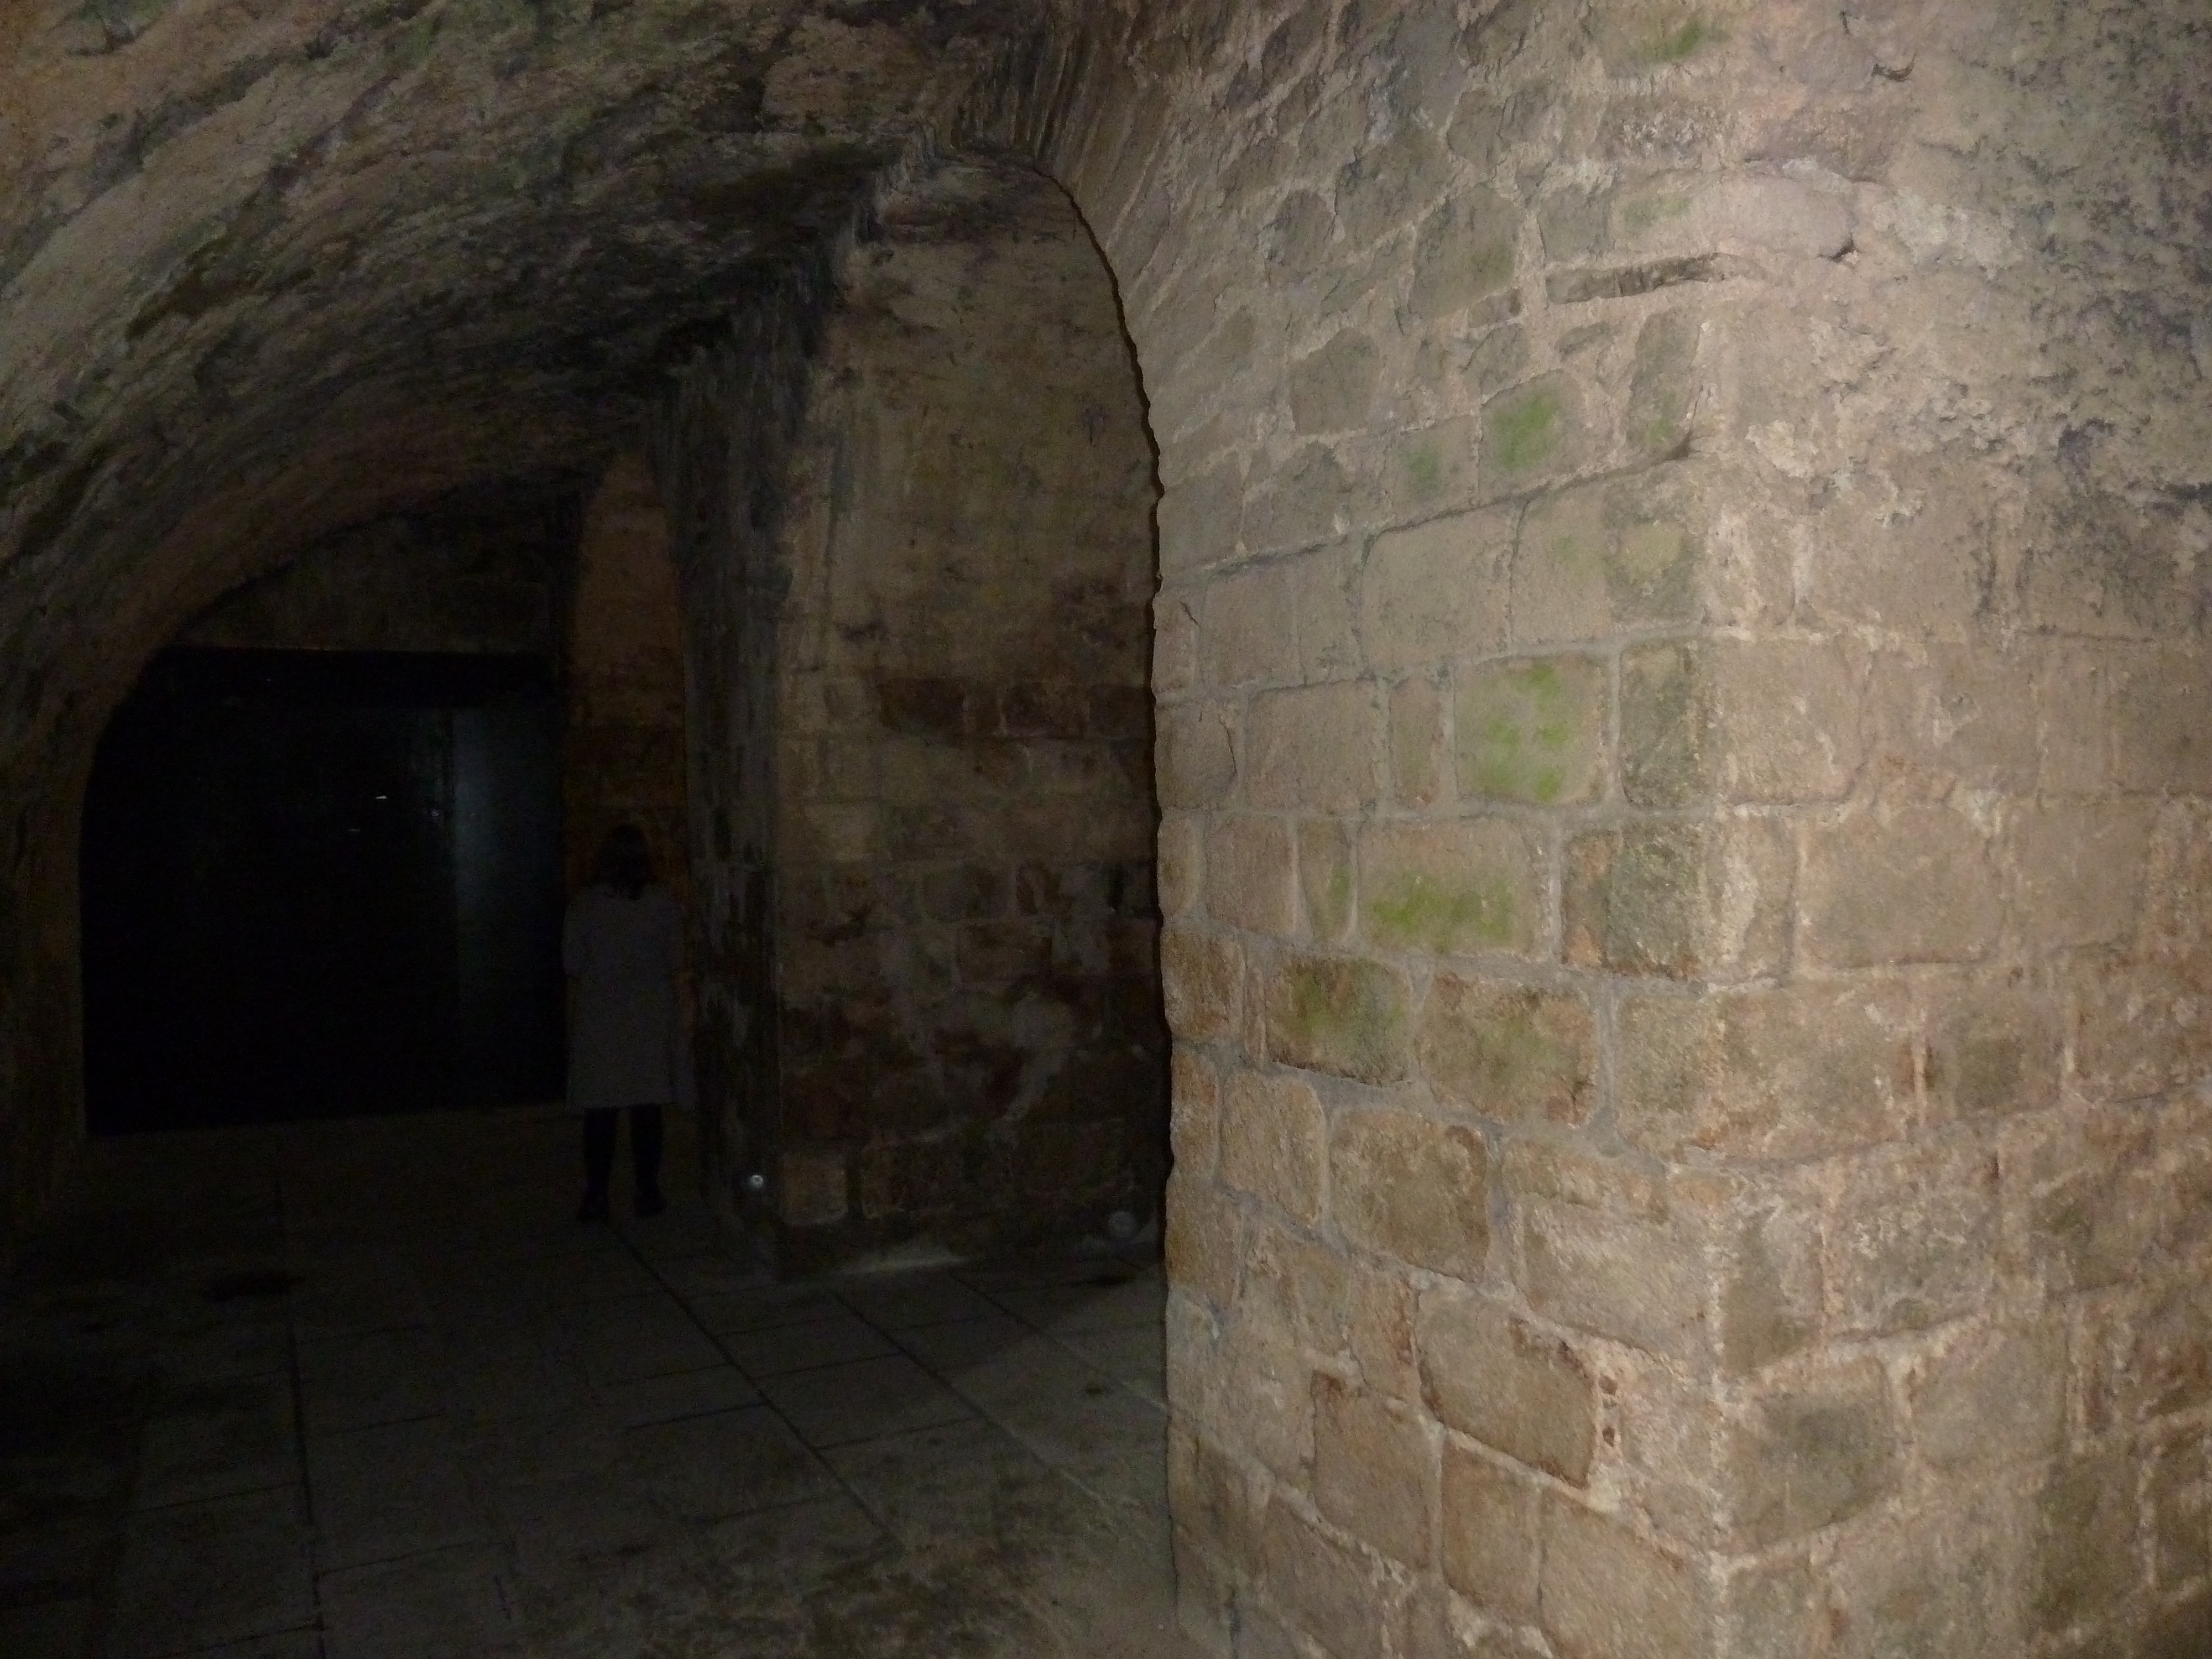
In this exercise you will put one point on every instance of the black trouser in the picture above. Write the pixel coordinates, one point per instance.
(644, 1149)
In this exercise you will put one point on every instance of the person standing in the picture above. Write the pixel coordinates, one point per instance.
(621, 945)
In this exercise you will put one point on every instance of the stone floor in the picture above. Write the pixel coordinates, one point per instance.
(364, 1391)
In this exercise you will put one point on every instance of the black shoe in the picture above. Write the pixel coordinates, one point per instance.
(650, 1204)
(595, 1208)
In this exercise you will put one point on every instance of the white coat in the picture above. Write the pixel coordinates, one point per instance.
(624, 1039)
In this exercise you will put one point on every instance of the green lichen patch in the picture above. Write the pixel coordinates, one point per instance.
(1525, 431)
(1421, 912)
(1679, 42)
(1345, 1018)
(1531, 731)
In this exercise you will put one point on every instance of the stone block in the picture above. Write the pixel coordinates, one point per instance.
(1422, 471)
(1502, 1381)
(1605, 1592)
(1811, 1454)
(2084, 1198)
(1663, 389)
(906, 1178)
(1509, 1052)
(2073, 690)
(1440, 1624)
(1912, 1238)
(1297, 1286)
(1322, 585)
(1591, 1257)
(1339, 1015)
(2084, 1562)
(1194, 1128)
(2138, 1030)
(1531, 730)
(1375, 1470)
(1332, 388)
(1314, 747)
(2180, 1535)
(1993, 1395)
(1250, 631)
(1746, 720)
(1212, 1496)
(1772, 1288)
(1935, 1578)
(1993, 1047)
(2162, 743)
(1251, 875)
(1455, 888)
(811, 1186)
(2174, 925)
(1769, 1610)
(1182, 864)
(1329, 1589)
(1325, 871)
(1257, 1387)
(1381, 1332)
(1201, 976)
(1301, 503)
(1490, 1534)
(1411, 1188)
(1465, 250)
(1174, 641)
(1194, 754)
(1705, 901)
(1905, 884)
(2166, 1366)
(1533, 435)
(1274, 1142)
(1598, 560)
(1800, 1071)
(1416, 742)
(1435, 591)
(1954, 713)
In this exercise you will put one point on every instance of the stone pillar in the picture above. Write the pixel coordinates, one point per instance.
(1680, 695)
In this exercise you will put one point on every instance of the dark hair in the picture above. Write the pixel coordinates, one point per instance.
(623, 861)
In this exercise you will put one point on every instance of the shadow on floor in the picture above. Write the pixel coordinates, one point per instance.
(363, 1391)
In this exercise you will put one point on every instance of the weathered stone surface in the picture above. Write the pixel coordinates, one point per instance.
(1770, 1073)
(1919, 884)
(1374, 1471)
(1490, 1534)
(1436, 590)
(1604, 1591)
(1411, 1187)
(1808, 1456)
(1531, 731)
(1506, 1051)
(1512, 1387)
(1273, 1142)
(1694, 902)
(1339, 1015)
(1457, 888)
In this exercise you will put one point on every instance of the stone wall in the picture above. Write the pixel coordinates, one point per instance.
(1680, 746)
(967, 994)
(623, 757)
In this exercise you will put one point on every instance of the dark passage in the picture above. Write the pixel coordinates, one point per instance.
(318, 884)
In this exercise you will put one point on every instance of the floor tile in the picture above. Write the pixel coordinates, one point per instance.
(200, 1574)
(947, 1349)
(448, 1604)
(764, 1307)
(361, 1382)
(707, 1468)
(784, 1348)
(897, 1302)
(839, 1404)
(621, 1341)
(385, 1493)
(685, 1393)
(1134, 1356)
(216, 1440)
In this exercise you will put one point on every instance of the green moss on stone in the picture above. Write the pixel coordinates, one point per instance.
(1423, 913)
(1682, 42)
(1529, 732)
(1525, 431)
(1345, 1018)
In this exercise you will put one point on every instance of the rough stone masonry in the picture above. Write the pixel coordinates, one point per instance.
(1679, 677)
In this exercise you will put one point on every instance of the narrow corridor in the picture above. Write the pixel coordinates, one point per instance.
(363, 1390)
